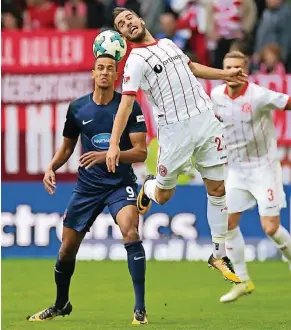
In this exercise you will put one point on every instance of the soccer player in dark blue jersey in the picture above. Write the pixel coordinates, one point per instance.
(91, 117)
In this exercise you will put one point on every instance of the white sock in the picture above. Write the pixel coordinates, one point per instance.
(150, 189)
(218, 223)
(282, 240)
(235, 249)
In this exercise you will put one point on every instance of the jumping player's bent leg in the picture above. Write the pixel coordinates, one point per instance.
(64, 270)
(176, 146)
(149, 192)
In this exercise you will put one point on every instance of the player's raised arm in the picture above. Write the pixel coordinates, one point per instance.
(133, 74)
(70, 133)
(206, 72)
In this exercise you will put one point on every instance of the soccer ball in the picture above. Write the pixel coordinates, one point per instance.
(110, 42)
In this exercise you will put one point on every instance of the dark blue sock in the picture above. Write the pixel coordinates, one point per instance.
(137, 267)
(63, 273)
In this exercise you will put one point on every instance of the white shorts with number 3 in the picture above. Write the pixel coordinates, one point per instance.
(262, 186)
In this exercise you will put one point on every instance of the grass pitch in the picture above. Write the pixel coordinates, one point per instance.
(180, 295)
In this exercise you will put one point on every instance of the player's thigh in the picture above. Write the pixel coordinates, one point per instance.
(122, 206)
(267, 188)
(127, 219)
(82, 211)
(120, 197)
(176, 147)
(233, 220)
(210, 151)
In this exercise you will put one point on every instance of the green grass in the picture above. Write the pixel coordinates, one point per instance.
(180, 295)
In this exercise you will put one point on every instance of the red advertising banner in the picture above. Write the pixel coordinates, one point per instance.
(42, 72)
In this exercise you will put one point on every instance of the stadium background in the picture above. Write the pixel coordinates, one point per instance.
(46, 64)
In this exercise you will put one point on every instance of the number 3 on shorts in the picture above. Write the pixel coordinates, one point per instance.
(271, 195)
(130, 192)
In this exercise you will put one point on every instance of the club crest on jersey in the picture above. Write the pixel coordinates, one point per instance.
(101, 141)
(126, 79)
(246, 108)
(163, 170)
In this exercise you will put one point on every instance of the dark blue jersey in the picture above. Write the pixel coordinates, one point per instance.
(94, 123)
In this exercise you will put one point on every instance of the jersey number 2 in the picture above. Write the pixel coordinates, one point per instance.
(130, 192)
(218, 141)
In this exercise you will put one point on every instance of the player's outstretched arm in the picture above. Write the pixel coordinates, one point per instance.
(123, 113)
(60, 158)
(206, 72)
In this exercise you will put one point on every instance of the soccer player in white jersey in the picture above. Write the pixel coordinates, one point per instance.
(186, 124)
(254, 171)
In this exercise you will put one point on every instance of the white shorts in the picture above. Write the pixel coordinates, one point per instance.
(262, 186)
(199, 136)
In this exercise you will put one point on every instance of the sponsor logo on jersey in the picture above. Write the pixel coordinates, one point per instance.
(101, 141)
(163, 170)
(140, 118)
(172, 59)
(158, 68)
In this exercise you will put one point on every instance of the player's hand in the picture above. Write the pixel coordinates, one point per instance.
(236, 75)
(49, 181)
(112, 158)
(91, 158)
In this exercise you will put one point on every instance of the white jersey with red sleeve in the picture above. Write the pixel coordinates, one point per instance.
(249, 131)
(161, 69)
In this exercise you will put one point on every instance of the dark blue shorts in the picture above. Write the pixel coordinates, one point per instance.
(83, 209)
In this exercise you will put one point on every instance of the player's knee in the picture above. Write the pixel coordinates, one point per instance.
(162, 199)
(130, 235)
(67, 253)
(163, 196)
(217, 189)
(270, 227)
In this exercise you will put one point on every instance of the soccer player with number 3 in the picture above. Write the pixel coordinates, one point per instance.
(254, 170)
(186, 124)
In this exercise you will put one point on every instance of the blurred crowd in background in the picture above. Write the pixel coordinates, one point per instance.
(205, 29)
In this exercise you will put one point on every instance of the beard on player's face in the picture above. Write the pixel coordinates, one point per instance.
(137, 36)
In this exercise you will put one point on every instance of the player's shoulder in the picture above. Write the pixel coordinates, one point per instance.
(218, 91)
(254, 86)
(139, 55)
(80, 102)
